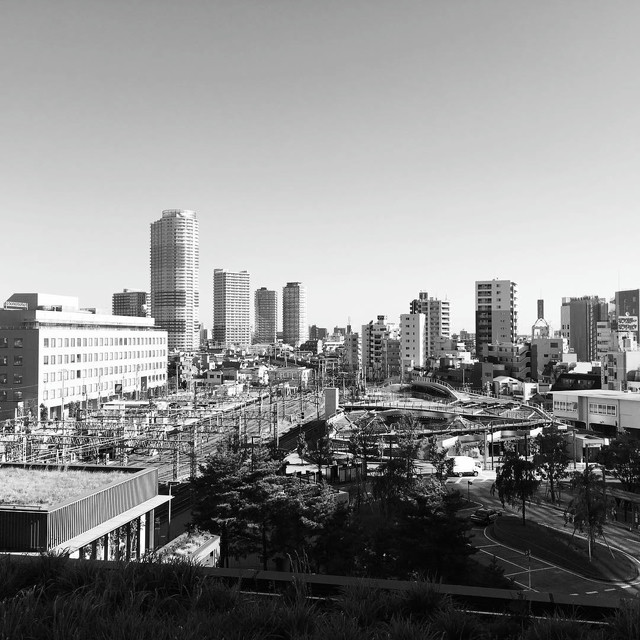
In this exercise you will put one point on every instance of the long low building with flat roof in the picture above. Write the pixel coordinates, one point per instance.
(83, 511)
(53, 353)
(606, 412)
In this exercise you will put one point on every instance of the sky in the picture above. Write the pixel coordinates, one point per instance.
(368, 149)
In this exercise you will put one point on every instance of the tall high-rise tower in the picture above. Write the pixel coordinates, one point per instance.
(174, 277)
(496, 314)
(266, 315)
(294, 314)
(231, 310)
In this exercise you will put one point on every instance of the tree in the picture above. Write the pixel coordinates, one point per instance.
(550, 457)
(622, 457)
(408, 441)
(441, 461)
(255, 508)
(516, 481)
(587, 510)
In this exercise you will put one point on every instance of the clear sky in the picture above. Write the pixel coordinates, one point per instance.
(369, 149)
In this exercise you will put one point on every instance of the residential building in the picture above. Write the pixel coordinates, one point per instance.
(514, 359)
(380, 360)
(294, 314)
(231, 308)
(579, 318)
(496, 313)
(52, 353)
(266, 316)
(352, 352)
(546, 352)
(317, 333)
(174, 277)
(437, 319)
(413, 341)
(130, 302)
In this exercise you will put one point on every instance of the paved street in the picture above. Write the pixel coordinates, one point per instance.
(541, 575)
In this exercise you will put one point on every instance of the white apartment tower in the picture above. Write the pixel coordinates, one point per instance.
(266, 316)
(231, 308)
(413, 340)
(437, 320)
(496, 314)
(294, 314)
(174, 277)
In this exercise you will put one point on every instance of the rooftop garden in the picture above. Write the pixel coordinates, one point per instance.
(46, 487)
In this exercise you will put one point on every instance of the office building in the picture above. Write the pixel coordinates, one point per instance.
(231, 308)
(496, 313)
(294, 314)
(174, 277)
(53, 353)
(437, 319)
(352, 352)
(579, 318)
(266, 316)
(130, 302)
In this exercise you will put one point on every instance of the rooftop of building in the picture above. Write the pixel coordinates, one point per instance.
(45, 486)
(602, 393)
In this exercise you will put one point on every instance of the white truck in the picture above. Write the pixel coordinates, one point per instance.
(464, 466)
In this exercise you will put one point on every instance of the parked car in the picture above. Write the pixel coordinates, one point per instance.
(484, 516)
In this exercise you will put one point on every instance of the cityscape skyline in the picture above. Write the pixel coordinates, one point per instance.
(369, 151)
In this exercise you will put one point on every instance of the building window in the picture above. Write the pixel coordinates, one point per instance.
(3, 396)
(17, 396)
(4, 343)
(17, 361)
(3, 361)
(45, 395)
(17, 343)
(46, 342)
(17, 378)
(3, 378)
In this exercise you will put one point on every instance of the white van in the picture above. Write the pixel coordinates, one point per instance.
(464, 466)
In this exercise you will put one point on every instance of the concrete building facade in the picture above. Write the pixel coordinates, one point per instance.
(437, 319)
(175, 264)
(380, 359)
(413, 343)
(579, 318)
(496, 313)
(52, 354)
(231, 308)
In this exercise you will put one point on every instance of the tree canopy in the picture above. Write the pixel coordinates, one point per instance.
(516, 481)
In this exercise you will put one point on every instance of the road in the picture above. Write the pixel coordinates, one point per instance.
(534, 573)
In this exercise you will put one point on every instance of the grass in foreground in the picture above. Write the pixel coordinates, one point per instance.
(53, 598)
(561, 549)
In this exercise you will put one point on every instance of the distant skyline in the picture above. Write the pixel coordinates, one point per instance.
(370, 150)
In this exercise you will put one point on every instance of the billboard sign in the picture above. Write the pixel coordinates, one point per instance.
(628, 323)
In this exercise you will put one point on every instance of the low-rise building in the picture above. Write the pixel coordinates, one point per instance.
(609, 413)
(100, 513)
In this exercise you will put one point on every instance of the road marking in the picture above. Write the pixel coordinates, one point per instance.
(626, 586)
(574, 594)
(610, 589)
(590, 593)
